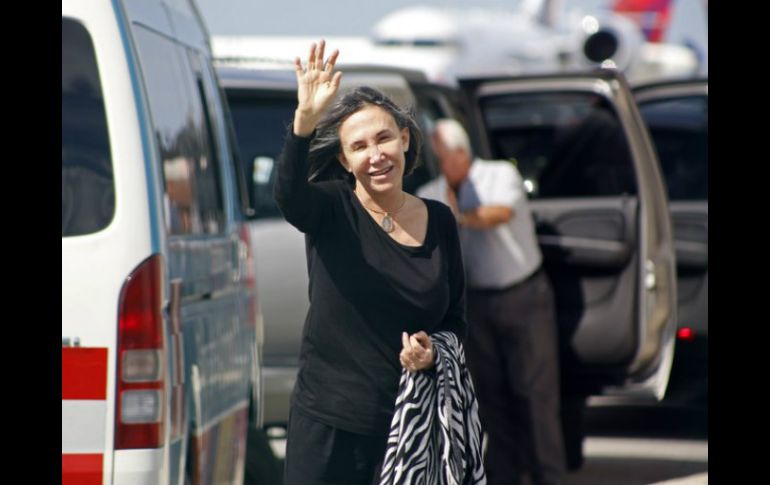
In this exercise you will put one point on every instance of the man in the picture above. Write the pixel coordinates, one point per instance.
(512, 347)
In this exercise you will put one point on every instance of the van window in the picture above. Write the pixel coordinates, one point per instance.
(679, 129)
(563, 144)
(210, 193)
(193, 198)
(88, 193)
(261, 125)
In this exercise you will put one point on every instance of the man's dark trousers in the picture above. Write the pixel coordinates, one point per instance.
(512, 354)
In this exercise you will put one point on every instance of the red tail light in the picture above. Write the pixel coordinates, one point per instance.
(141, 402)
(686, 334)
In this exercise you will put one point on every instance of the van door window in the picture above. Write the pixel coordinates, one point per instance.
(679, 128)
(564, 144)
(210, 193)
(88, 193)
(193, 199)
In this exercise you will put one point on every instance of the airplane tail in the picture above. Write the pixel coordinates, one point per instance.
(652, 16)
(544, 12)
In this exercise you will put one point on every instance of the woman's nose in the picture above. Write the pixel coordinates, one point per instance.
(376, 154)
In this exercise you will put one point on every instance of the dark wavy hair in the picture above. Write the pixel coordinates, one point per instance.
(325, 146)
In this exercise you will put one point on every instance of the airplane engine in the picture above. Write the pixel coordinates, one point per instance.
(609, 38)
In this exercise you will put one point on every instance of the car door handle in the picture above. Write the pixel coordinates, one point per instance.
(589, 251)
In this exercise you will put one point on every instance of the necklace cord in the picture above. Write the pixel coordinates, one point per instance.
(385, 212)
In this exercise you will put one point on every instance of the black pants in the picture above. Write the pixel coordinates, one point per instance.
(512, 353)
(320, 454)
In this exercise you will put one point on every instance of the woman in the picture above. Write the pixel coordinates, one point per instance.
(385, 273)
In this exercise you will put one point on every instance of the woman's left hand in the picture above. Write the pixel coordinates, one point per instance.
(417, 352)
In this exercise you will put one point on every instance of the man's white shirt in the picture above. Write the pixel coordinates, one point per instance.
(503, 255)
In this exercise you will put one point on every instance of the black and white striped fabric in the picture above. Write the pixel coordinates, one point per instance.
(435, 435)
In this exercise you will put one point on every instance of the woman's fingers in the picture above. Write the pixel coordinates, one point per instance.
(336, 79)
(417, 352)
(320, 54)
(417, 349)
(405, 342)
(311, 56)
(423, 338)
(329, 67)
(315, 61)
(298, 66)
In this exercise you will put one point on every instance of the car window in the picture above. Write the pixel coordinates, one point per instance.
(564, 144)
(428, 111)
(88, 194)
(261, 124)
(679, 130)
(191, 172)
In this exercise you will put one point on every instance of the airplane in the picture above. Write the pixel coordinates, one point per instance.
(448, 43)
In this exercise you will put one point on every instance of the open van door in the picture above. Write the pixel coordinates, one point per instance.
(602, 219)
(676, 114)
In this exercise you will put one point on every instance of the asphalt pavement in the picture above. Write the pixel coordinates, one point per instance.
(632, 446)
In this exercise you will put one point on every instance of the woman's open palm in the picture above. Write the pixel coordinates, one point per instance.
(318, 83)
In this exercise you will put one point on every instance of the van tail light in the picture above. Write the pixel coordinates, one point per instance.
(141, 400)
(250, 275)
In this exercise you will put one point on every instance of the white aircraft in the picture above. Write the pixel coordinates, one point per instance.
(447, 43)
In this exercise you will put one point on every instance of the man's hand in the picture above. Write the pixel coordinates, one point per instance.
(417, 352)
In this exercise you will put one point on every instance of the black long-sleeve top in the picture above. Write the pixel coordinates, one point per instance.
(365, 290)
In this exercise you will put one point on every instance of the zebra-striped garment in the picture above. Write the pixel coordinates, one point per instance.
(435, 435)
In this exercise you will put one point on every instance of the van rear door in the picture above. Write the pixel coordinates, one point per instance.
(602, 220)
(106, 230)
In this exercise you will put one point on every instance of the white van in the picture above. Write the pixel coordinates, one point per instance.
(161, 334)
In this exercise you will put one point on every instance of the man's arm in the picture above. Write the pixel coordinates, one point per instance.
(501, 199)
(486, 216)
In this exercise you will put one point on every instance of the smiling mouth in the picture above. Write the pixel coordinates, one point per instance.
(381, 172)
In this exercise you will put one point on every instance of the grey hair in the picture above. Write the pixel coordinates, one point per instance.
(325, 146)
(453, 134)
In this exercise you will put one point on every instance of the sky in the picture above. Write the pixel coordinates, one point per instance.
(326, 17)
(357, 18)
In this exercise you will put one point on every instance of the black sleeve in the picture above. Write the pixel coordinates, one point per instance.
(302, 204)
(455, 319)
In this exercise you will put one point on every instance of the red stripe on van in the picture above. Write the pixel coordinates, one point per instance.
(81, 469)
(83, 373)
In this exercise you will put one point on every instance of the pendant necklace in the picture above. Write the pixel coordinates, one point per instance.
(387, 221)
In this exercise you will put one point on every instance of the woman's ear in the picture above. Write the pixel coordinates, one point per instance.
(343, 161)
(405, 138)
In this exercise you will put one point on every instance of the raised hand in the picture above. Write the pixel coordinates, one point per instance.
(316, 87)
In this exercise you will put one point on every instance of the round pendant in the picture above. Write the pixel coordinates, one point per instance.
(387, 223)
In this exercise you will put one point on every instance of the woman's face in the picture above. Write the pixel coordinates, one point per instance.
(373, 149)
